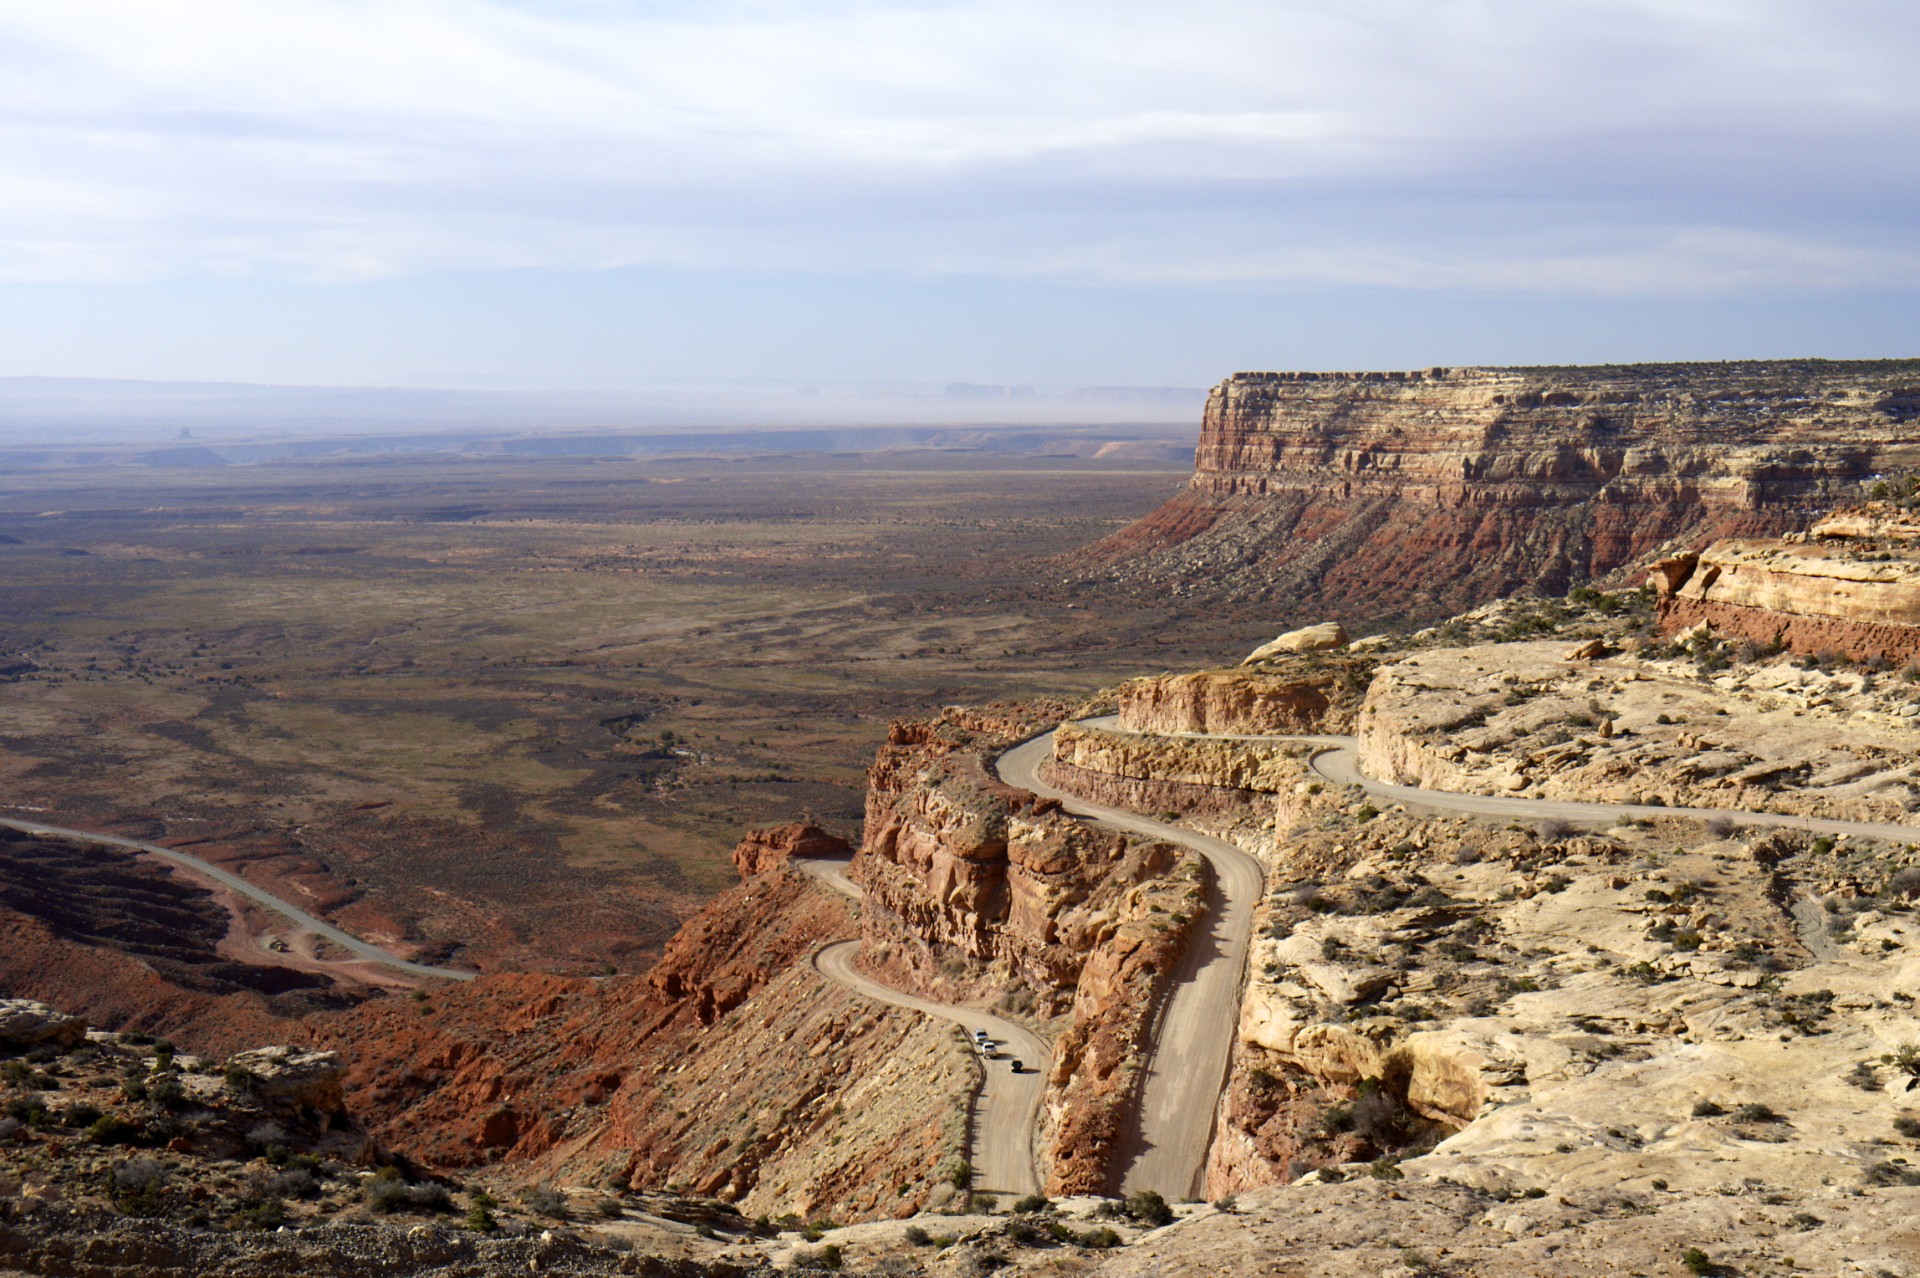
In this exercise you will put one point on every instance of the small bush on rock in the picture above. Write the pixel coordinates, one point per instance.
(111, 1129)
(1149, 1208)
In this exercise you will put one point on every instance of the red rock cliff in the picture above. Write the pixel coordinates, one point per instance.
(979, 892)
(1381, 494)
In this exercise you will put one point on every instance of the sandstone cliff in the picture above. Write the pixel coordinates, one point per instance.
(976, 891)
(1301, 696)
(1420, 493)
(1850, 586)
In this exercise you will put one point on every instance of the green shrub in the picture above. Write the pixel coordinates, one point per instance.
(389, 1194)
(167, 1092)
(1031, 1203)
(1891, 1173)
(268, 1213)
(111, 1129)
(1696, 1261)
(1708, 1109)
(1149, 1208)
(545, 1200)
(82, 1115)
(918, 1236)
(138, 1187)
(1907, 1125)
(1102, 1238)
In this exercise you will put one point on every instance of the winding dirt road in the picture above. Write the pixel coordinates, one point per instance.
(254, 893)
(1338, 762)
(1006, 1109)
(1193, 1038)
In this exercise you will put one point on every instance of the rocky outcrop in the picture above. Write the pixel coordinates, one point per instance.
(1322, 697)
(293, 1079)
(1519, 719)
(977, 891)
(1318, 638)
(762, 850)
(1427, 492)
(1244, 768)
(1851, 586)
(28, 1023)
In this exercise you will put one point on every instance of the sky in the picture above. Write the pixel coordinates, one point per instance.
(596, 192)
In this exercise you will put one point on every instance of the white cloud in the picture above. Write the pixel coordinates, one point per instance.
(1586, 146)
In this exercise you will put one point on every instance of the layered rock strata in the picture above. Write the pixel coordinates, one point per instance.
(977, 891)
(1851, 586)
(1420, 493)
(1299, 697)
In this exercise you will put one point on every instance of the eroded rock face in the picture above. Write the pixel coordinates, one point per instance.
(294, 1078)
(1244, 702)
(979, 891)
(27, 1023)
(1427, 492)
(762, 850)
(1851, 586)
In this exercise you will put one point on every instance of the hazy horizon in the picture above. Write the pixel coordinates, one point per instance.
(324, 192)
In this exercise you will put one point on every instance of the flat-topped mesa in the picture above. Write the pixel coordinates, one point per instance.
(1427, 492)
(1851, 585)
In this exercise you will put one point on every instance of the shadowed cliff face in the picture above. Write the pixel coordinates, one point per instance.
(1414, 494)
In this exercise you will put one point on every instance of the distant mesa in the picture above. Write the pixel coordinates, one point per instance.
(1420, 494)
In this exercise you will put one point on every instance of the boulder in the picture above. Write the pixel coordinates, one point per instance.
(1320, 638)
(26, 1023)
(1372, 643)
(1591, 650)
(294, 1078)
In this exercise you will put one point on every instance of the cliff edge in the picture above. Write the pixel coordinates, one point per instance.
(1417, 494)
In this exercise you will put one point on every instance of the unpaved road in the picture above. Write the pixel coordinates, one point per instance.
(1007, 1107)
(254, 893)
(1193, 1039)
(1338, 763)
